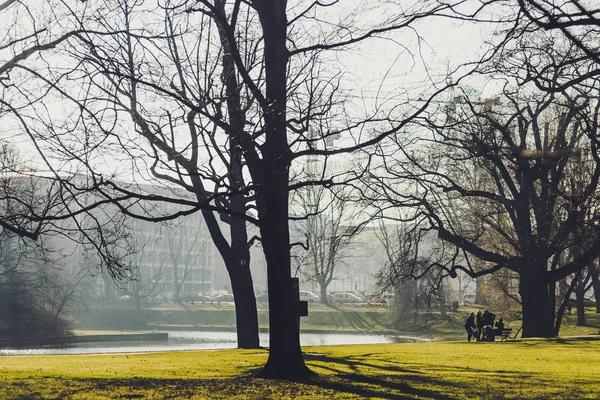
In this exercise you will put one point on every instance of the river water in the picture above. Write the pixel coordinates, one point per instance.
(199, 340)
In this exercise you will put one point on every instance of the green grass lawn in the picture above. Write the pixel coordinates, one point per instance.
(529, 369)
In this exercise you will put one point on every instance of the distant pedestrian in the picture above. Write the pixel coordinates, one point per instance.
(470, 326)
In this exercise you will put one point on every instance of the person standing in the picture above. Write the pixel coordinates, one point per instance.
(479, 322)
(470, 326)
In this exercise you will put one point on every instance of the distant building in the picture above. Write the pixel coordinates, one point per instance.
(178, 253)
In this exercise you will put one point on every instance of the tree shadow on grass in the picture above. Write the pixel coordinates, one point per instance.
(318, 387)
(389, 381)
(392, 381)
(398, 381)
(540, 342)
(384, 387)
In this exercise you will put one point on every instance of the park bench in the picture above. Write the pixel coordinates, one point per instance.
(504, 334)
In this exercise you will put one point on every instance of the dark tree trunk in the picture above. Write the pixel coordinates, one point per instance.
(246, 316)
(594, 274)
(238, 262)
(538, 309)
(176, 285)
(580, 304)
(285, 354)
(323, 289)
(238, 266)
(563, 306)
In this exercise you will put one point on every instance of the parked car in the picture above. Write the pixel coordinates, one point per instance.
(262, 298)
(330, 299)
(469, 299)
(309, 296)
(192, 297)
(387, 299)
(225, 298)
(205, 298)
(347, 298)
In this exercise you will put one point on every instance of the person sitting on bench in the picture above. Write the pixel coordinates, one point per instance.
(488, 334)
(499, 327)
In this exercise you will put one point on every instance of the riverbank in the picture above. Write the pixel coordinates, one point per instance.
(533, 369)
(79, 337)
(222, 317)
(320, 319)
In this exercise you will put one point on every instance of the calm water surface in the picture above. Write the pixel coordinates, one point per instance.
(197, 340)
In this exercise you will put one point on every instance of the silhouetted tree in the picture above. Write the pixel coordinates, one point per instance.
(217, 98)
(324, 226)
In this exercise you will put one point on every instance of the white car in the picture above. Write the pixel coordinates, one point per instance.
(469, 299)
(387, 299)
(309, 296)
(347, 298)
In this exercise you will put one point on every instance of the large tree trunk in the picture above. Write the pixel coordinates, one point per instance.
(563, 306)
(323, 294)
(595, 284)
(538, 309)
(238, 265)
(285, 355)
(246, 316)
(176, 285)
(237, 261)
(580, 304)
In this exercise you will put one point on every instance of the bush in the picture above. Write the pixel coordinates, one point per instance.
(22, 316)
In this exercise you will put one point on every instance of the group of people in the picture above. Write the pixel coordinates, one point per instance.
(482, 326)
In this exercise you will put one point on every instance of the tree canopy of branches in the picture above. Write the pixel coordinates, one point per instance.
(216, 98)
(40, 203)
(513, 182)
(407, 272)
(328, 223)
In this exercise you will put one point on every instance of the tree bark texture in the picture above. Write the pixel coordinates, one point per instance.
(538, 310)
(594, 274)
(285, 354)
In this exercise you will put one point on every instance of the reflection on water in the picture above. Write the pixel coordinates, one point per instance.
(196, 340)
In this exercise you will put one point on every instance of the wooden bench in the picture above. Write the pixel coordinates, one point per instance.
(504, 334)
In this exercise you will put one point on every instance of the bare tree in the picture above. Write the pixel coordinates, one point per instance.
(147, 280)
(217, 97)
(407, 273)
(593, 268)
(520, 24)
(493, 179)
(576, 20)
(48, 206)
(328, 223)
(31, 306)
(184, 252)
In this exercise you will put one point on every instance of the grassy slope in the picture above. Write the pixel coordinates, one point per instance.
(339, 319)
(533, 369)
